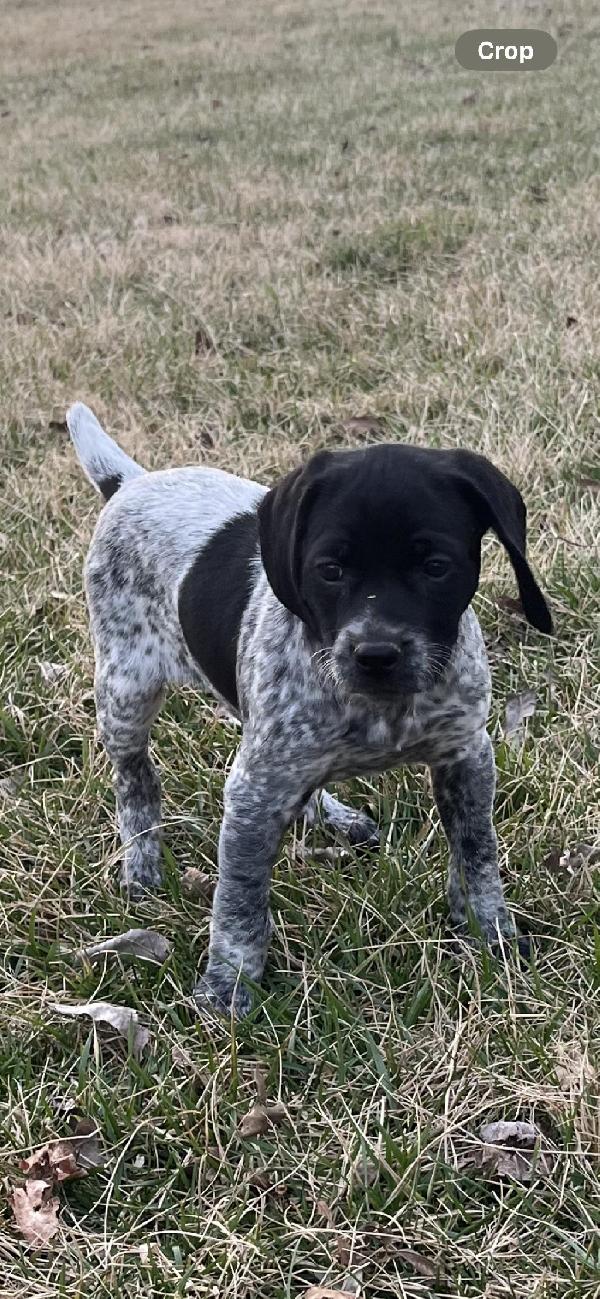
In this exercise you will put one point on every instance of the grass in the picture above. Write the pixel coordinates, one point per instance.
(232, 232)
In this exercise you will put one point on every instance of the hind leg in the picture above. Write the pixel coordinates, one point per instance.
(356, 827)
(126, 707)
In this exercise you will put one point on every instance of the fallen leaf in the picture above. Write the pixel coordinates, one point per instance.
(216, 103)
(325, 1211)
(203, 341)
(121, 1018)
(195, 884)
(470, 99)
(363, 426)
(68, 1158)
(52, 672)
(146, 944)
(36, 1211)
(511, 604)
(511, 1150)
(261, 1118)
(518, 708)
(322, 1292)
(88, 1150)
(260, 1082)
(420, 1264)
(592, 484)
(58, 426)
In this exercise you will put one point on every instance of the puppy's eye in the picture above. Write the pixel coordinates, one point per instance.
(331, 572)
(436, 567)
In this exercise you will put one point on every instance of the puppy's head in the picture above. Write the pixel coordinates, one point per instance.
(378, 552)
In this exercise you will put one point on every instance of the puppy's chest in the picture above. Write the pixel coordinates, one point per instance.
(431, 732)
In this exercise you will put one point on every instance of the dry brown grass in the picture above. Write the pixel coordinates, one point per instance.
(315, 187)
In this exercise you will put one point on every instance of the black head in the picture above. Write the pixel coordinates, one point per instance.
(378, 552)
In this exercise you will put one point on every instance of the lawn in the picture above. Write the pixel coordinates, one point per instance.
(241, 233)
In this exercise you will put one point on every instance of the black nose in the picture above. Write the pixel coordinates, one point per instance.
(376, 656)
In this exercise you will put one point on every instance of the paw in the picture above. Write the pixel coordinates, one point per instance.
(219, 995)
(140, 873)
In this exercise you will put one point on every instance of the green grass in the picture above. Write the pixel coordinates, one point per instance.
(362, 229)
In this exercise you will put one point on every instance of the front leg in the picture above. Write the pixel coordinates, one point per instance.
(464, 792)
(260, 804)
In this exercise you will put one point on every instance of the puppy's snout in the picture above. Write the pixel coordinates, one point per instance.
(376, 656)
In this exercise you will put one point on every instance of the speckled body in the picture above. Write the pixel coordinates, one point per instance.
(301, 729)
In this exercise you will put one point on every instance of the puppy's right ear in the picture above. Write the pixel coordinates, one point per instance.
(282, 526)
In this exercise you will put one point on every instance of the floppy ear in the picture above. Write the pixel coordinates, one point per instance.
(499, 506)
(282, 521)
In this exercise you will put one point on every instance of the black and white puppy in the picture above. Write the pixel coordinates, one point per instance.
(332, 615)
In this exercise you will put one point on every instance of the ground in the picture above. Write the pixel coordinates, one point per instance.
(241, 233)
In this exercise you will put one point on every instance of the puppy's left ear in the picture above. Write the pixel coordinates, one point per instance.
(499, 506)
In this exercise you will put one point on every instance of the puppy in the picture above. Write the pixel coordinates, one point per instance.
(332, 615)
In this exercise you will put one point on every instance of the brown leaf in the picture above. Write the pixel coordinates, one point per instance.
(261, 1119)
(326, 1212)
(36, 1211)
(146, 944)
(511, 1150)
(420, 1264)
(260, 1082)
(54, 1162)
(323, 1292)
(58, 426)
(511, 605)
(518, 708)
(121, 1018)
(195, 884)
(86, 1141)
(203, 341)
(363, 426)
(70, 1157)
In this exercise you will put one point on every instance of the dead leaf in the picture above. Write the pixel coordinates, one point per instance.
(146, 944)
(88, 1150)
(261, 1119)
(121, 1018)
(511, 604)
(68, 1158)
(325, 1211)
(58, 426)
(469, 99)
(203, 341)
(511, 1150)
(36, 1211)
(53, 672)
(216, 103)
(518, 708)
(195, 884)
(420, 1264)
(322, 1292)
(363, 426)
(592, 484)
(260, 1082)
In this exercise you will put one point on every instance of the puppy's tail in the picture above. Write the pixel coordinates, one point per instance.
(106, 466)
